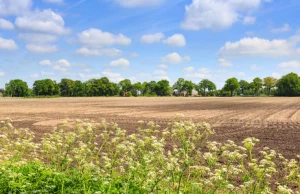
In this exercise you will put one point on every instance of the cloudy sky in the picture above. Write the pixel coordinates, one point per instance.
(147, 40)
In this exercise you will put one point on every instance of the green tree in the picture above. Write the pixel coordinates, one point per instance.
(46, 87)
(162, 88)
(205, 85)
(269, 83)
(188, 86)
(16, 88)
(67, 87)
(244, 85)
(231, 85)
(137, 89)
(257, 85)
(179, 85)
(78, 88)
(125, 86)
(289, 85)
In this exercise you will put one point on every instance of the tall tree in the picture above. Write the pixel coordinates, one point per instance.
(206, 84)
(188, 86)
(244, 85)
(162, 88)
(257, 85)
(67, 87)
(125, 86)
(179, 85)
(269, 83)
(231, 85)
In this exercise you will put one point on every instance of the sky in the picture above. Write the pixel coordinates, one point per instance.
(145, 40)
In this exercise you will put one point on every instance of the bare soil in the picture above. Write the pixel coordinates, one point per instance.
(275, 121)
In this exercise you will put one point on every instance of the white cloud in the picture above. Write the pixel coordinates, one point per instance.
(133, 54)
(45, 21)
(54, 1)
(8, 44)
(14, 7)
(152, 38)
(120, 63)
(138, 3)
(59, 68)
(96, 38)
(63, 63)
(224, 63)
(115, 77)
(2, 73)
(189, 69)
(259, 47)
(216, 14)
(284, 28)
(36, 48)
(197, 75)
(38, 38)
(47, 73)
(177, 40)
(290, 65)
(6, 25)
(249, 20)
(99, 52)
(174, 58)
(34, 76)
(160, 72)
(162, 66)
(45, 63)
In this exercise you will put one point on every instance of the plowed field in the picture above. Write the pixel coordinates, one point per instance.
(275, 121)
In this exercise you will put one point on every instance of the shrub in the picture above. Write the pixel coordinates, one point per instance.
(128, 94)
(103, 158)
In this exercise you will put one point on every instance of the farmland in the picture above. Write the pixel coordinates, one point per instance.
(275, 121)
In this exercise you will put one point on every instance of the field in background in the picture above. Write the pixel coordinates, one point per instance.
(275, 121)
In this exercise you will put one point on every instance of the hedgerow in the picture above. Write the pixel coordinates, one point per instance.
(103, 158)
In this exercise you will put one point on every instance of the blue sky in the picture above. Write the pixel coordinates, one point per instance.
(147, 40)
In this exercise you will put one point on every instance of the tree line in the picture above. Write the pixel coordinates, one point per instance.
(288, 85)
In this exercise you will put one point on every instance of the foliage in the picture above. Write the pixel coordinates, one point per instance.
(103, 158)
(289, 85)
(162, 88)
(16, 88)
(231, 85)
(125, 86)
(206, 84)
(256, 85)
(269, 83)
(244, 85)
(46, 87)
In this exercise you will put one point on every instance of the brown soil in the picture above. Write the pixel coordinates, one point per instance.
(275, 121)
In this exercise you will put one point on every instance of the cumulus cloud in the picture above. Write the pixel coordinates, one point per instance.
(290, 65)
(15, 7)
(88, 76)
(174, 58)
(216, 14)
(34, 76)
(6, 25)
(260, 47)
(45, 63)
(249, 20)
(61, 65)
(120, 63)
(109, 52)
(162, 66)
(8, 44)
(45, 21)
(38, 37)
(284, 28)
(254, 67)
(138, 3)
(224, 63)
(189, 69)
(152, 38)
(97, 38)
(2, 74)
(41, 49)
(177, 40)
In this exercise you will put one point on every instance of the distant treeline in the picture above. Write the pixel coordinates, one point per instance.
(288, 85)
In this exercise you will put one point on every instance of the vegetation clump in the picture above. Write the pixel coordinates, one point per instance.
(103, 158)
